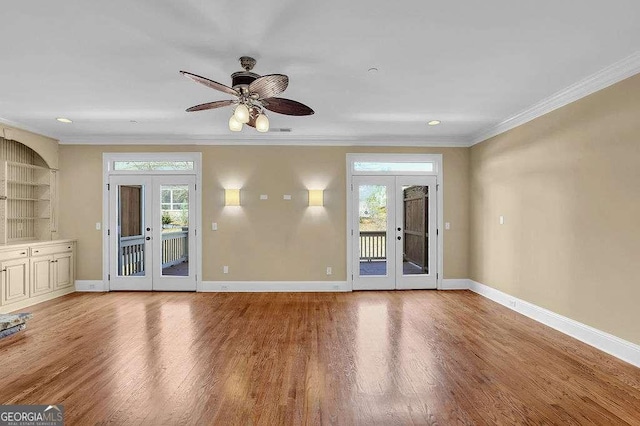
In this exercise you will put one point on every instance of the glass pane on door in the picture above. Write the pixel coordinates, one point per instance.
(373, 225)
(174, 205)
(131, 239)
(415, 217)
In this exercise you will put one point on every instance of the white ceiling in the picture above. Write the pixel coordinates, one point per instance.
(470, 64)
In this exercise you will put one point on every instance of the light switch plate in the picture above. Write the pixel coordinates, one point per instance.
(501, 220)
(447, 225)
(98, 226)
(264, 197)
(286, 197)
(214, 226)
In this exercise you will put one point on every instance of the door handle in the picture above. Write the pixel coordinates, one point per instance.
(148, 229)
(148, 238)
(399, 229)
(399, 238)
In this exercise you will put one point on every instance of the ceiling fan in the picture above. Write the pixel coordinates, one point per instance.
(253, 94)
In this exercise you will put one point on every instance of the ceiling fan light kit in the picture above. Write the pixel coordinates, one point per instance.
(234, 125)
(254, 94)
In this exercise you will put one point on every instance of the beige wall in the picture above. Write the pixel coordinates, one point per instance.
(568, 184)
(269, 240)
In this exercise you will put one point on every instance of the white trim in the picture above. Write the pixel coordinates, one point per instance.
(605, 342)
(279, 140)
(26, 128)
(391, 157)
(604, 78)
(273, 286)
(90, 286)
(109, 157)
(455, 284)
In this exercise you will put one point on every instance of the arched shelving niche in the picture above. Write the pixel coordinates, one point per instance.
(27, 194)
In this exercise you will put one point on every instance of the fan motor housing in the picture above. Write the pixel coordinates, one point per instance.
(242, 79)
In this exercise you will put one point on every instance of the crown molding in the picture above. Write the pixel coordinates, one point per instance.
(20, 126)
(606, 77)
(290, 140)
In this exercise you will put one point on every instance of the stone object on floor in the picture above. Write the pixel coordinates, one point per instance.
(12, 323)
(12, 330)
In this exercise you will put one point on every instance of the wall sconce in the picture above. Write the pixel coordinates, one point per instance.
(231, 197)
(316, 197)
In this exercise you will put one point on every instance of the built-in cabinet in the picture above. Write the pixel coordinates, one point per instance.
(34, 272)
(34, 264)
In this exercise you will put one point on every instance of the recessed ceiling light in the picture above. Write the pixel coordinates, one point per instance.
(434, 122)
(64, 120)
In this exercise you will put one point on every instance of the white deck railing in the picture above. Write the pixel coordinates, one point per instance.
(175, 249)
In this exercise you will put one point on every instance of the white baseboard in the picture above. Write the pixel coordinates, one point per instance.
(90, 285)
(620, 348)
(273, 286)
(455, 284)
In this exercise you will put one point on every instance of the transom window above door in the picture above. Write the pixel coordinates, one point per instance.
(396, 166)
(153, 165)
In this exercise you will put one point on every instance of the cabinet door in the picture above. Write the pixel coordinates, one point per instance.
(41, 275)
(64, 270)
(15, 280)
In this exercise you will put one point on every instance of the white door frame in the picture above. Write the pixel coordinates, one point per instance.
(435, 159)
(108, 170)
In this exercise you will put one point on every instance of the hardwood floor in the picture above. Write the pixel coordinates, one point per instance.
(370, 358)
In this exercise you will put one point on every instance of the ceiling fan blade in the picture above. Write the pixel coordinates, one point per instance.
(269, 85)
(210, 105)
(210, 83)
(252, 121)
(286, 106)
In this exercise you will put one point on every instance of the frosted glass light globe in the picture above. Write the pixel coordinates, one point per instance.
(234, 125)
(262, 123)
(242, 114)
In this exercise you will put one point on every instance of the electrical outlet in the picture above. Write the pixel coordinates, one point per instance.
(286, 197)
(336, 287)
(512, 303)
(264, 197)
(98, 226)
(225, 269)
(92, 286)
(224, 287)
(329, 270)
(447, 225)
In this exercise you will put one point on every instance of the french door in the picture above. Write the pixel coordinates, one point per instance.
(394, 238)
(152, 232)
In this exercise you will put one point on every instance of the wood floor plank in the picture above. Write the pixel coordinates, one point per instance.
(372, 358)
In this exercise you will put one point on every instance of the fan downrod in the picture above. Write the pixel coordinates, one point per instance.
(247, 63)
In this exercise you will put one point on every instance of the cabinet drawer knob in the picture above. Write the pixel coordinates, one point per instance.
(36, 251)
(24, 252)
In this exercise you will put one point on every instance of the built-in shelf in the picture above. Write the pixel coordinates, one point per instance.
(19, 182)
(27, 218)
(26, 206)
(26, 166)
